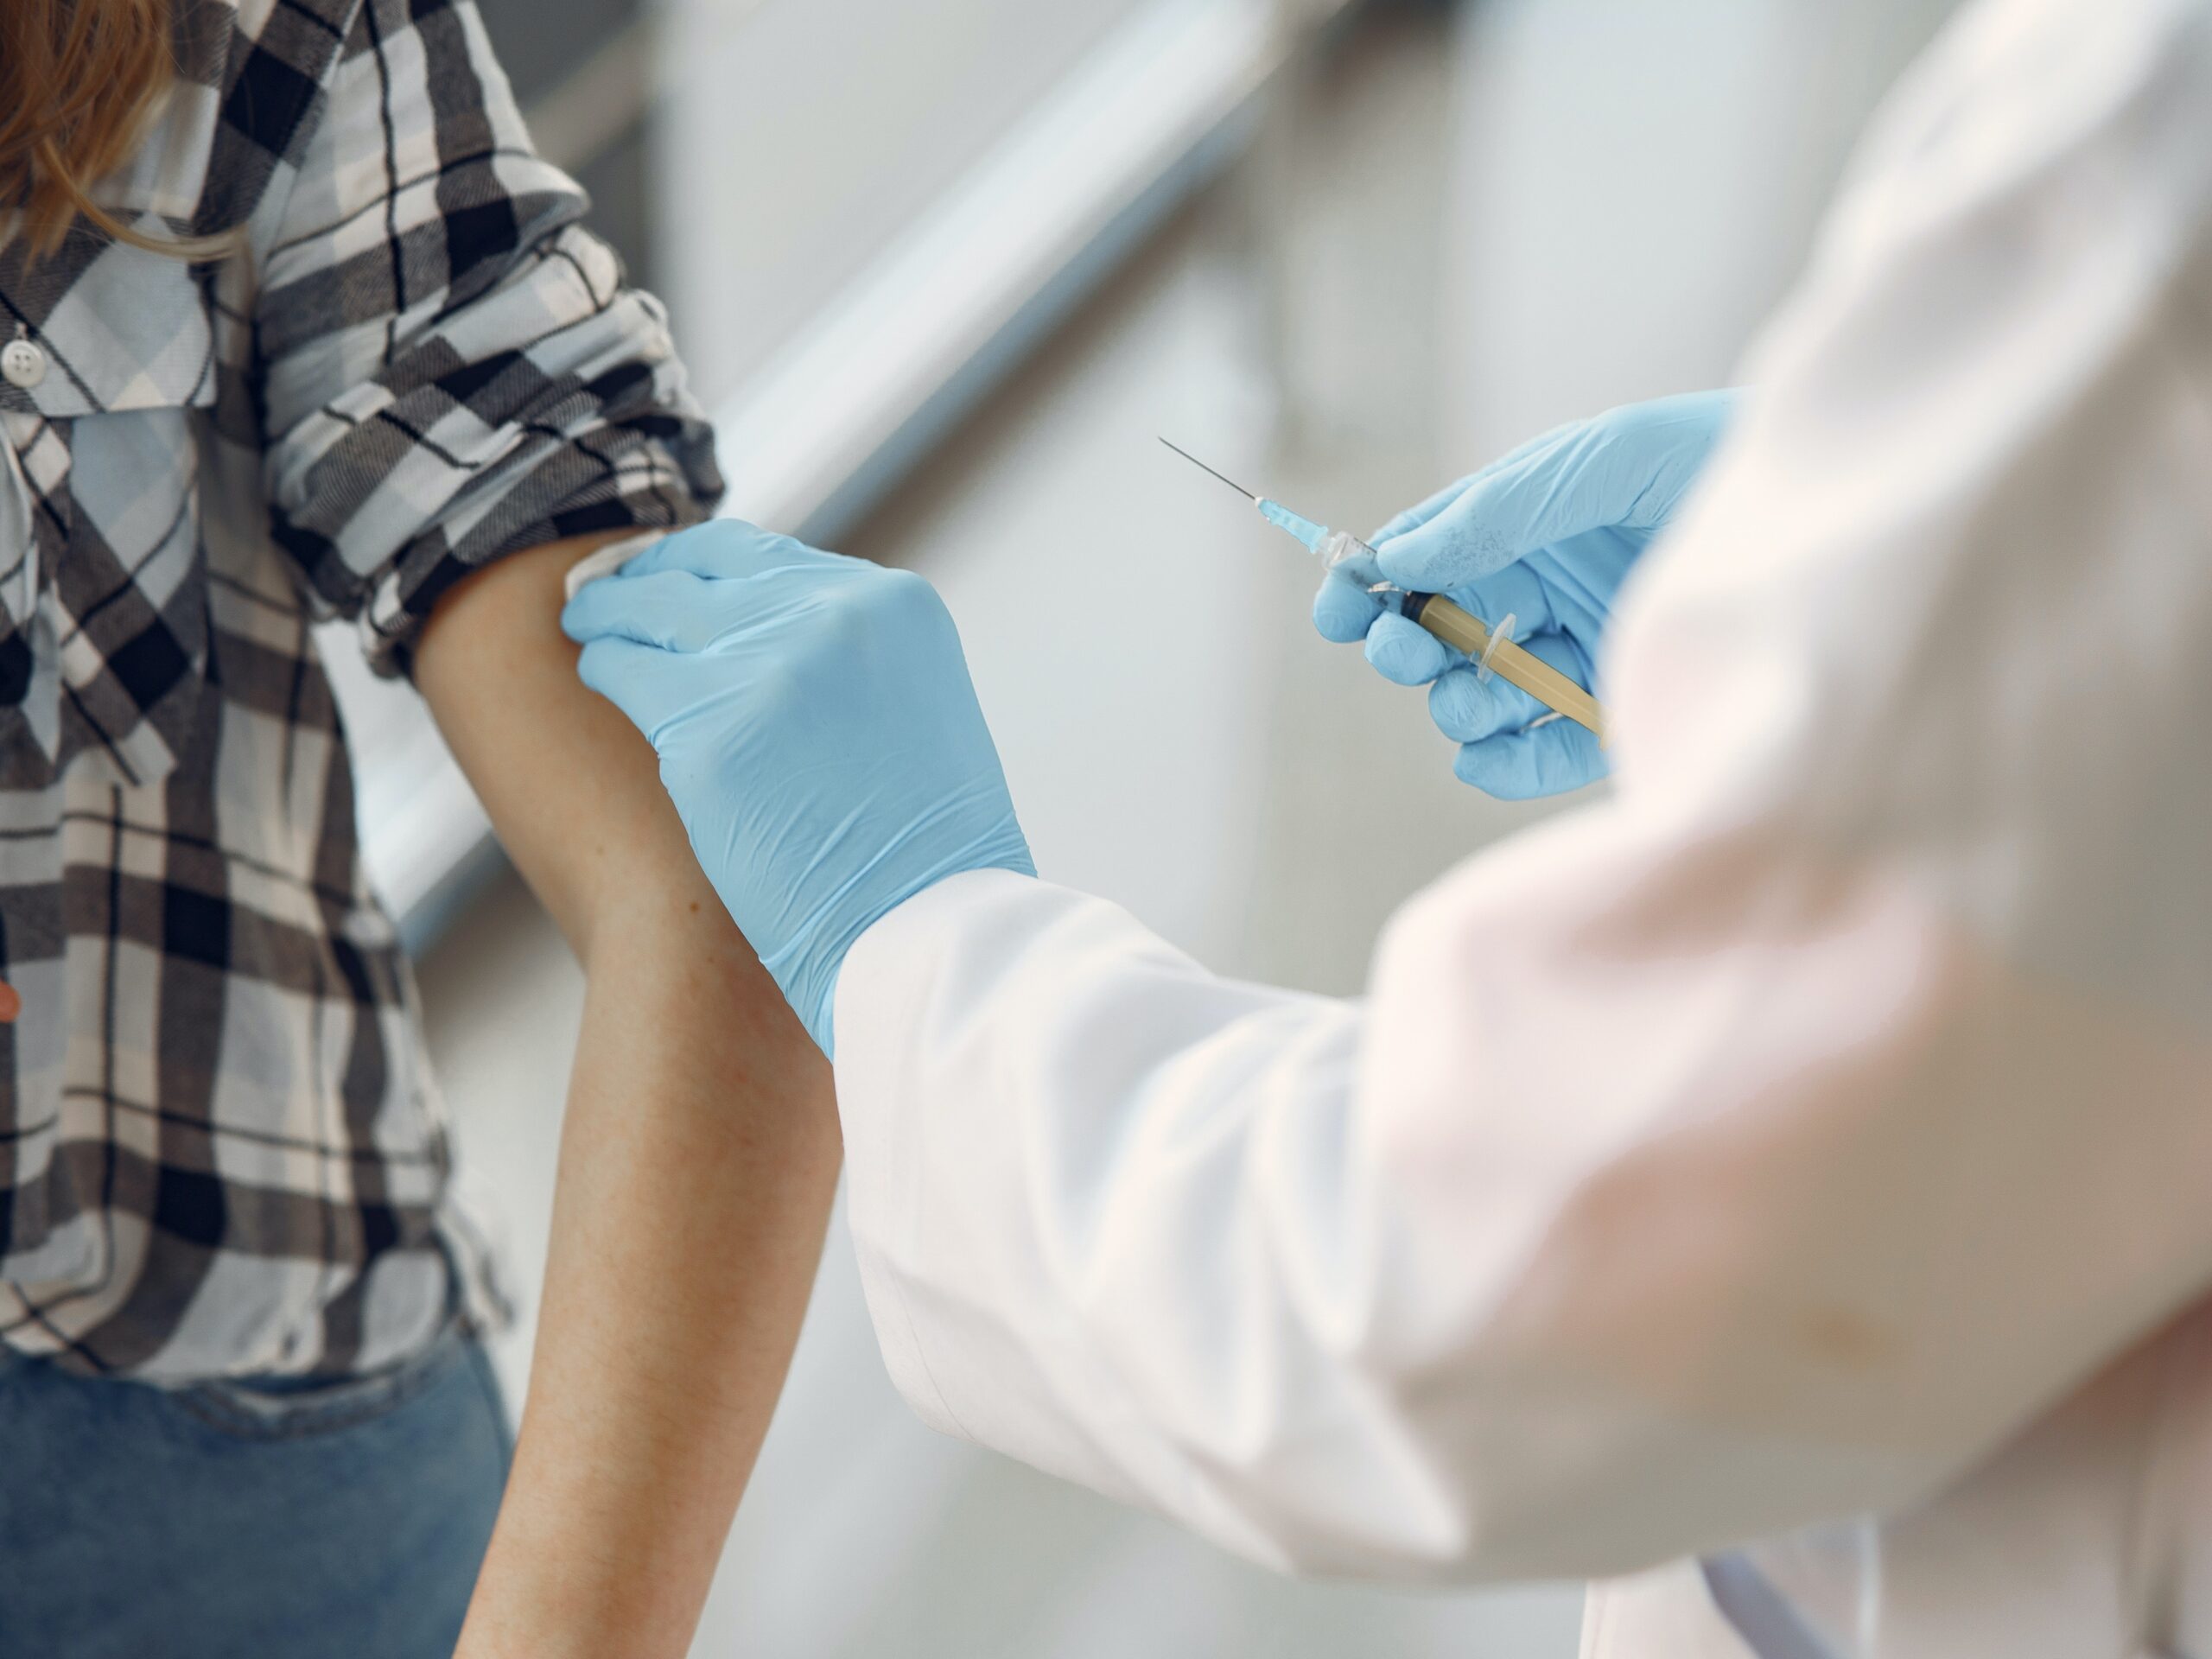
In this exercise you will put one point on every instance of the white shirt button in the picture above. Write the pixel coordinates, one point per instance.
(22, 363)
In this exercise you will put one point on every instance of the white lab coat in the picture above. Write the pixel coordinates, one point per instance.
(1823, 1123)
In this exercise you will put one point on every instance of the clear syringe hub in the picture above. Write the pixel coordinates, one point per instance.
(1339, 549)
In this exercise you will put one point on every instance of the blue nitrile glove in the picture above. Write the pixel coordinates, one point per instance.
(1546, 533)
(816, 729)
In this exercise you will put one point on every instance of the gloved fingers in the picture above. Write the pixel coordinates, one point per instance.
(1468, 708)
(1671, 439)
(1529, 764)
(727, 547)
(1565, 653)
(1628, 466)
(1579, 578)
(1520, 591)
(1405, 653)
(640, 680)
(1343, 609)
(1507, 512)
(1562, 651)
(1512, 745)
(669, 609)
(1420, 512)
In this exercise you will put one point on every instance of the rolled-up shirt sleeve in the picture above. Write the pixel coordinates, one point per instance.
(451, 368)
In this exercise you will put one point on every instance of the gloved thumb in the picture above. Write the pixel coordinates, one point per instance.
(667, 610)
(645, 683)
(722, 549)
(1542, 496)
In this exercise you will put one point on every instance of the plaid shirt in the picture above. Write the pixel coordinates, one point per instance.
(220, 1151)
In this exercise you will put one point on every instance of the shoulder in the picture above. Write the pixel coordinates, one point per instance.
(211, 33)
(249, 88)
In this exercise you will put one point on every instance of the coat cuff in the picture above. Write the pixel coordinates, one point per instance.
(883, 991)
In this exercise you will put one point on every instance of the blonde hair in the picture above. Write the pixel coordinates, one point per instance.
(81, 80)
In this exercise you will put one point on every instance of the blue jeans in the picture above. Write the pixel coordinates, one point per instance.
(342, 1520)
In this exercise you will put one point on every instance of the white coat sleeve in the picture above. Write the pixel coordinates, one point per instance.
(1767, 1142)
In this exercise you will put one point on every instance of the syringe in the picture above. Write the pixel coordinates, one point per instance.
(1492, 649)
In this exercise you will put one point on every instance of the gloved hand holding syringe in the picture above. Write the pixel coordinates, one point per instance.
(1491, 646)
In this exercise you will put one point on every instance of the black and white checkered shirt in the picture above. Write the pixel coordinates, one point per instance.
(220, 1151)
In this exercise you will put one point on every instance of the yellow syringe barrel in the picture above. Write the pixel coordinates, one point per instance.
(1464, 631)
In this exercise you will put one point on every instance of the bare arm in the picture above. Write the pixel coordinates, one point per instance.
(696, 1167)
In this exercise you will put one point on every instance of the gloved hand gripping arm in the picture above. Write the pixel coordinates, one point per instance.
(817, 728)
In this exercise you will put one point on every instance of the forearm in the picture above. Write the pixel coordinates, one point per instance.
(696, 1165)
(696, 1168)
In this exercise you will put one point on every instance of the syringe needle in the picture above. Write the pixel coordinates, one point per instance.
(1203, 467)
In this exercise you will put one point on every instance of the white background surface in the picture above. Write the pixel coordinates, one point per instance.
(800, 136)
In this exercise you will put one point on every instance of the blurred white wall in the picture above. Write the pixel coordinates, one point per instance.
(1636, 186)
(794, 139)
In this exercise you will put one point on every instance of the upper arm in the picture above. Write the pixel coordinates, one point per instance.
(575, 796)
(571, 789)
